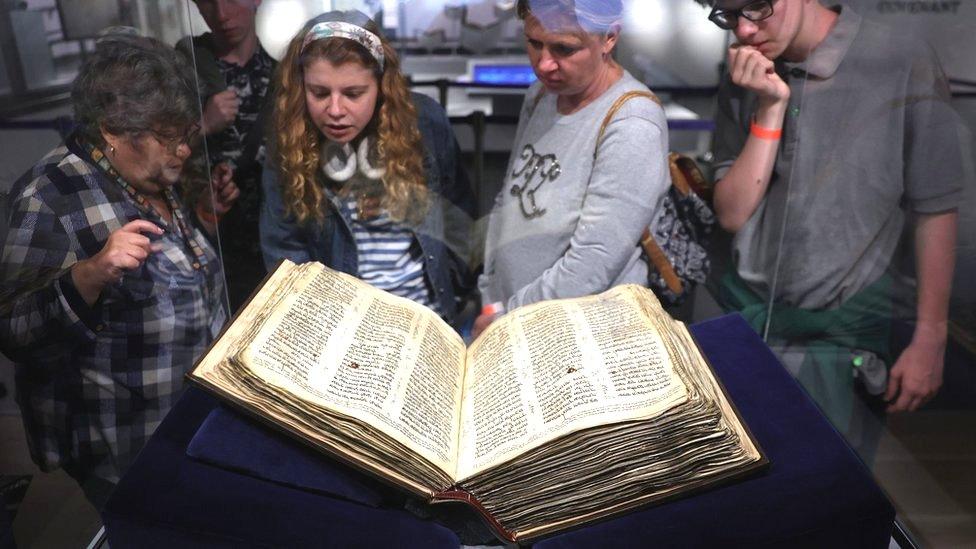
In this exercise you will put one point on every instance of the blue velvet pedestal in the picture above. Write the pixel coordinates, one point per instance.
(211, 478)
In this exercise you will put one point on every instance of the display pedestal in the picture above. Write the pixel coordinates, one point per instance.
(210, 477)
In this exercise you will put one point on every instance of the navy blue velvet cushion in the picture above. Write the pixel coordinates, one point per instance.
(227, 440)
(6, 528)
(815, 493)
(167, 499)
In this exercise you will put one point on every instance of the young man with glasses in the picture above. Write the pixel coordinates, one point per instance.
(832, 133)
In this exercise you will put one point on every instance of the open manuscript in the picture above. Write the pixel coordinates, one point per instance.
(561, 413)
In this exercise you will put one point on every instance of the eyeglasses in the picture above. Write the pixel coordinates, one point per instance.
(173, 142)
(753, 11)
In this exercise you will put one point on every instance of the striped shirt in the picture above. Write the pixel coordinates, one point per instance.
(389, 255)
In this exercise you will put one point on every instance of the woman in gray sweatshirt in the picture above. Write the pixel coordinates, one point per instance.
(569, 216)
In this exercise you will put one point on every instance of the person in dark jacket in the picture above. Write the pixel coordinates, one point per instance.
(363, 175)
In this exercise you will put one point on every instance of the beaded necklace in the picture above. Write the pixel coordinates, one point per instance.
(142, 203)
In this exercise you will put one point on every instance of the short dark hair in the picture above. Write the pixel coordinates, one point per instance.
(132, 84)
(595, 16)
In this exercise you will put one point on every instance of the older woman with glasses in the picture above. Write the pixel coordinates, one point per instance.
(109, 290)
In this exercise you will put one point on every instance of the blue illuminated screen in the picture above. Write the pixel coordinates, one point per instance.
(503, 74)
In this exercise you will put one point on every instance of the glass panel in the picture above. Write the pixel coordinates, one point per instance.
(279, 20)
(469, 55)
(4, 78)
(853, 249)
(921, 460)
(45, 45)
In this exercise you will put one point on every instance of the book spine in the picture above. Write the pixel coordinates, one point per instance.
(457, 494)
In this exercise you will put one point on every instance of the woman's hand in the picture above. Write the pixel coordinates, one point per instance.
(125, 250)
(489, 313)
(481, 324)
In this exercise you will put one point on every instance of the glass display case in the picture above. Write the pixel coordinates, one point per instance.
(865, 244)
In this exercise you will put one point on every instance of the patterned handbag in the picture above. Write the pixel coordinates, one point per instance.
(676, 249)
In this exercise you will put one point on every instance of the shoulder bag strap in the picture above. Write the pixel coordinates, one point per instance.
(654, 252)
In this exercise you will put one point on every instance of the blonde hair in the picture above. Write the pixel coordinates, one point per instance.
(298, 142)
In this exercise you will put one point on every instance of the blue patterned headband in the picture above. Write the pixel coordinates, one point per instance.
(349, 31)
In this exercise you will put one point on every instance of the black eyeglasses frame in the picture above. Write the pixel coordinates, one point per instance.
(729, 19)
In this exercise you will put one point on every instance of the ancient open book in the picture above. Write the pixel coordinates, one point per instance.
(561, 413)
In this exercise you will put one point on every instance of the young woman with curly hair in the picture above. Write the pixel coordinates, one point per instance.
(364, 175)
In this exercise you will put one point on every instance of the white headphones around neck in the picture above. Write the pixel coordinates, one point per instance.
(341, 163)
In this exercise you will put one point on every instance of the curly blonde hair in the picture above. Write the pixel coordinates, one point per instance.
(298, 142)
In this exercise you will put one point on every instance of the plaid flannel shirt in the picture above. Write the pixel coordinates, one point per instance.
(94, 382)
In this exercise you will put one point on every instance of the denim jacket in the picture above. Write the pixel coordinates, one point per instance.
(443, 235)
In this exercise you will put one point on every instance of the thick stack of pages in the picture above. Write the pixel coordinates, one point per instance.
(561, 413)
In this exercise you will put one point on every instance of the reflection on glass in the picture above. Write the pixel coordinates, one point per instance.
(149, 309)
(234, 71)
(843, 254)
(829, 260)
(4, 78)
(82, 19)
(35, 56)
(279, 20)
